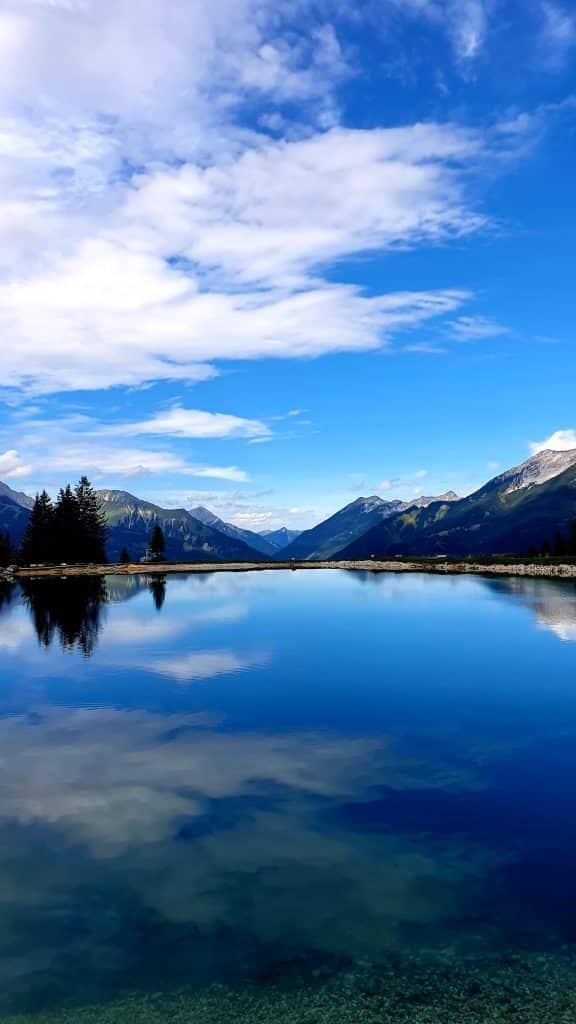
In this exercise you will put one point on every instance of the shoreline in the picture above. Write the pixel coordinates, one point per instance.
(552, 571)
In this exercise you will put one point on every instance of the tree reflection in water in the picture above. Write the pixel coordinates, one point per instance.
(7, 593)
(157, 586)
(69, 609)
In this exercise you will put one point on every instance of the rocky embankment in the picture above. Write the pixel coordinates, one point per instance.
(551, 570)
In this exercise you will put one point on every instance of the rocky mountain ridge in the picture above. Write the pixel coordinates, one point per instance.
(254, 540)
(522, 507)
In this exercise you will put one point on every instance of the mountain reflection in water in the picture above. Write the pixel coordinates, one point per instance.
(72, 609)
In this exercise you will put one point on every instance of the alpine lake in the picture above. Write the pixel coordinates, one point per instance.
(282, 797)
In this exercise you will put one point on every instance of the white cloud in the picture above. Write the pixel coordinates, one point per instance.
(559, 441)
(147, 233)
(425, 348)
(194, 423)
(401, 484)
(465, 21)
(12, 466)
(231, 473)
(473, 328)
(153, 278)
(468, 26)
(558, 35)
(99, 461)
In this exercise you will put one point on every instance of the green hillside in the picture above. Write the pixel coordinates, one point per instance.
(130, 521)
(503, 517)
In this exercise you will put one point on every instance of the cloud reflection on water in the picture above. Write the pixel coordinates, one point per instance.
(130, 839)
(172, 820)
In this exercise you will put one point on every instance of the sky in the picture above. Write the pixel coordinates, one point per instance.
(268, 256)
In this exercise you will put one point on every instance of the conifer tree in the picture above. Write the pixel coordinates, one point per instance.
(124, 557)
(6, 550)
(91, 523)
(157, 546)
(67, 529)
(38, 542)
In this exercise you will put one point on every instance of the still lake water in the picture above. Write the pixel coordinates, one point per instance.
(277, 779)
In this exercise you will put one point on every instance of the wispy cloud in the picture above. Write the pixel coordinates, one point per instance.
(425, 348)
(468, 26)
(104, 462)
(558, 35)
(193, 423)
(466, 22)
(401, 484)
(475, 328)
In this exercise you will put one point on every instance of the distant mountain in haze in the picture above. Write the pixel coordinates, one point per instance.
(254, 540)
(350, 523)
(130, 521)
(279, 539)
(524, 505)
(329, 536)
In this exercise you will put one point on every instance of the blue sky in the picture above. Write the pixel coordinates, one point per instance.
(267, 256)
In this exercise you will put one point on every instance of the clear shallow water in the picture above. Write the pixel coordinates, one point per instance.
(282, 778)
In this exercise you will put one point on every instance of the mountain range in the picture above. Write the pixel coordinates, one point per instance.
(254, 540)
(130, 521)
(521, 507)
(354, 520)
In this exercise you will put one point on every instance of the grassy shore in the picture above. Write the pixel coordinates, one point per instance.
(549, 567)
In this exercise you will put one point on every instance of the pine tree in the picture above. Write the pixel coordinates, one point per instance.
(545, 549)
(124, 557)
(157, 546)
(38, 542)
(67, 529)
(91, 522)
(6, 550)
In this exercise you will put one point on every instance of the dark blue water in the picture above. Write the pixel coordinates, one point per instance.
(247, 778)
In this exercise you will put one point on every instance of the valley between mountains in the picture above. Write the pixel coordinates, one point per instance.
(527, 507)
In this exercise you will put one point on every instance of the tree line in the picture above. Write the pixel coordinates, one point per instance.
(71, 529)
(561, 544)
